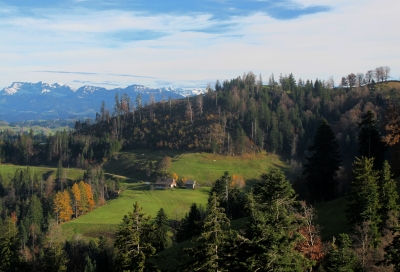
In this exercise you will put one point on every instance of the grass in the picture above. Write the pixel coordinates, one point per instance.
(332, 218)
(105, 219)
(8, 170)
(205, 168)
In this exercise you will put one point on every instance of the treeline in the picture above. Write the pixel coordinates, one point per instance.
(243, 115)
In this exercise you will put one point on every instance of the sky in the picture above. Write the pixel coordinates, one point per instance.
(189, 44)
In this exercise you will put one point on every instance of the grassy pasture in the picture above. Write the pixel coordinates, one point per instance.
(8, 171)
(104, 220)
(205, 168)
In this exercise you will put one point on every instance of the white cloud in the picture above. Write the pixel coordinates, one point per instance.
(352, 37)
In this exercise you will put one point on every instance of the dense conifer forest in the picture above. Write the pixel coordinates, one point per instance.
(339, 141)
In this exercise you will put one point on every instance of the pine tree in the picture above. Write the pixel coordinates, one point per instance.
(341, 257)
(161, 236)
(132, 244)
(191, 224)
(9, 246)
(388, 196)
(321, 167)
(369, 140)
(209, 254)
(363, 198)
(271, 233)
(392, 251)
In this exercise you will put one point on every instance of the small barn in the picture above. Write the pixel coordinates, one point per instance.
(165, 183)
(190, 184)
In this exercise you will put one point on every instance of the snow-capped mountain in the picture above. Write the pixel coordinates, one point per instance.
(33, 101)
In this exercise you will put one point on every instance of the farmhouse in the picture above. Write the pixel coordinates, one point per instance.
(190, 184)
(165, 183)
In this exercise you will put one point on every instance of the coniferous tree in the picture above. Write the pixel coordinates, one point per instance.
(209, 254)
(270, 235)
(388, 196)
(132, 244)
(161, 236)
(392, 251)
(341, 257)
(9, 246)
(369, 140)
(191, 224)
(363, 198)
(321, 167)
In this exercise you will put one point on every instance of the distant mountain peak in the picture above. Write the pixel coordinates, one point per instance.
(32, 101)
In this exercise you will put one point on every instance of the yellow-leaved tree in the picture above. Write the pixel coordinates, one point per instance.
(77, 199)
(89, 195)
(62, 206)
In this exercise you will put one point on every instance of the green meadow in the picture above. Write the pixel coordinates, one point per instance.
(8, 170)
(205, 168)
(105, 219)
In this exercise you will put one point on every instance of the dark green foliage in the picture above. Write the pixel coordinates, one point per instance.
(9, 246)
(321, 167)
(54, 258)
(209, 253)
(162, 232)
(369, 140)
(363, 198)
(388, 196)
(191, 224)
(132, 244)
(341, 257)
(229, 196)
(392, 251)
(271, 233)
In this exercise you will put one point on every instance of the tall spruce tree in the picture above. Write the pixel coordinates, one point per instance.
(161, 236)
(341, 257)
(271, 233)
(369, 140)
(191, 224)
(132, 245)
(363, 197)
(388, 196)
(321, 167)
(209, 254)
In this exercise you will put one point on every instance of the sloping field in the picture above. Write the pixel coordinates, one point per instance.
(8, 171)
(205, 168)
(105, 220)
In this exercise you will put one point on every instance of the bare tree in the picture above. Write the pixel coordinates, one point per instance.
(352, 79)
(344, 82)
(199, 103)
(189, 110)
(369, 76)
(386, 71)
(360, 79)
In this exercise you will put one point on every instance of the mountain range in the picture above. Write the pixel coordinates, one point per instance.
(43, 101)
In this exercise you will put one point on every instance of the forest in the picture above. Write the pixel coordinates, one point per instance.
(338, 141)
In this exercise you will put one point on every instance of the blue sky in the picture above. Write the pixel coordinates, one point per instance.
(192, 43)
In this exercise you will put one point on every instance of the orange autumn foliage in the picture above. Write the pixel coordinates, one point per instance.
(77, 198)
(89, 196)
(62, 206)
(311, 245)
(238, 181)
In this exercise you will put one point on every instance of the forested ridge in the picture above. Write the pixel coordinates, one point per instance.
(339, 141)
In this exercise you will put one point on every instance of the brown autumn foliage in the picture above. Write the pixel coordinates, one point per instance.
(311, 244)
